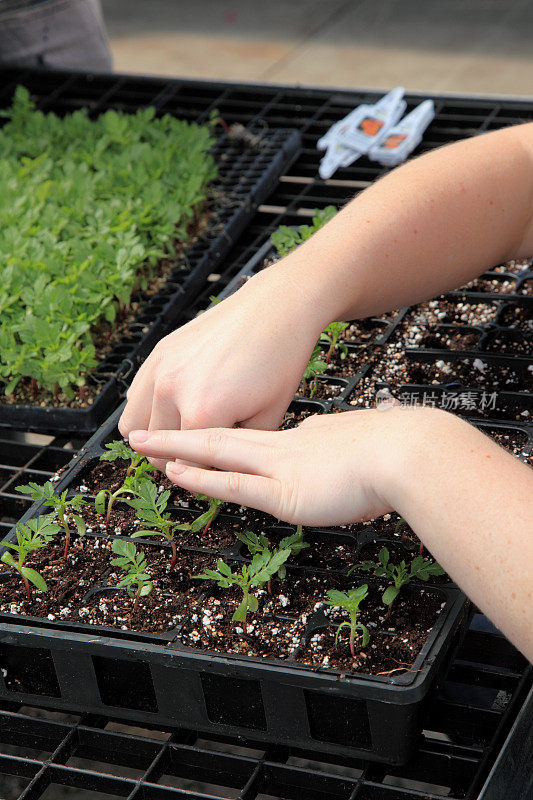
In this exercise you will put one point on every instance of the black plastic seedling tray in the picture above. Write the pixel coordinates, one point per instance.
(511, 325)
(247, 175)
(154, 677)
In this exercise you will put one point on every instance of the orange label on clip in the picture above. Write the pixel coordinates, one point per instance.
(393, 141)
(370, 126)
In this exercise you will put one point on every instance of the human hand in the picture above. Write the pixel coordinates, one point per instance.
(239, 362)
(330, 470)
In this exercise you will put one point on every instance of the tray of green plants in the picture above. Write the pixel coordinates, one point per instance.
(110, 227)
(120, 590)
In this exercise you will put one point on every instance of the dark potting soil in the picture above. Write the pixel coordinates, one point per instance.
(324, 390)
(515, 316)
(512, 343)
(394, 641)
(293, 418)
(450, 310)
(323, 551)
(449, 340)
(211, 627)
(87, 568)
(526, 288)
(514, 267)
(514, 442)
(498, 285)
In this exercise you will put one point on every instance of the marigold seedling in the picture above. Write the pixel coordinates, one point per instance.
(204, 520)
(260, 544)
(137, 581)
(261, 569)
(315, 367)
(349, 602)
(104, 500)
(400, 574)
(62, 506)
(31, 536)
(118, 449)
(286, 239)
(151, 509)
(330, 336)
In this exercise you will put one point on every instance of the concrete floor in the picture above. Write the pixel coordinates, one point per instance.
(459, 46)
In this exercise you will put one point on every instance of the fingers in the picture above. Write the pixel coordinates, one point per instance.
(268, 420)
(242, 450)
(248, 490)
(139, 405)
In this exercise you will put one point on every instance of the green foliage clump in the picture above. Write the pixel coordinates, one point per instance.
(87, 209)
(400, 574)
(33, 535)
(286, 239)
(349, 601)
(294, 543)
(151, 509)
(137, 581)
(260, 571)
(63, 507)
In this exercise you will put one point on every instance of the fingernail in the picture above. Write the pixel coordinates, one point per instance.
(173, 469)
(139, 436)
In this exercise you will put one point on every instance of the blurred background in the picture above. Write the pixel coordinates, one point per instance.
(459, 46)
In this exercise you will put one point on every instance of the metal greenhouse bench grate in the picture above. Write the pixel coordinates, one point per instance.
(477, 727)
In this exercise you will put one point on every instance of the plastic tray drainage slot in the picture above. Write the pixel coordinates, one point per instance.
(29, 670)
(234, 701)
(125, 684)
(339, 720)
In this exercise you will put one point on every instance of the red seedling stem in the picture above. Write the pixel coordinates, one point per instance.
(174, 555)
(352, 642)
(28, 589)
(136, 604)
(35, 387)
(67, 545)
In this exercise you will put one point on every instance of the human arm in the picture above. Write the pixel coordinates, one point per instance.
(426, 227)
(469, 501)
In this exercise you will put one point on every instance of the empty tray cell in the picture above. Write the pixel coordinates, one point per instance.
(450, 310)
(450, 338)
(526, 288)
(514, 315)
(498, 284)
(193, 770)
(51, 459)
(510, 342)
(125, 684)
(233, 701)
(339, 720)
(29, 670)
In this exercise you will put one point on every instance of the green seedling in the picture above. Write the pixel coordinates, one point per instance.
(261, 569)
(260, 544)
(286, 239)
(349, 602)
(401, 574)
(151, 509)
(330, 336)
(314, 368)
(204, 520)
(104, 500)
(63, 507)
(33, 535)
(137, 581)
(136, 461)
